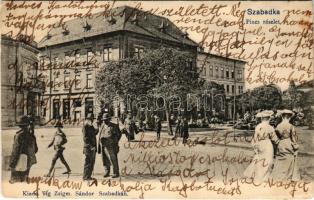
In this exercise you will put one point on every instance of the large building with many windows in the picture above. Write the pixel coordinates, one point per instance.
(225, 71)
(70, 55)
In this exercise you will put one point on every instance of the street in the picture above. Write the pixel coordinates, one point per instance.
(213, 155)
(215, 141)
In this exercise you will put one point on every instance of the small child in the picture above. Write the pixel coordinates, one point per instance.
(58, 141)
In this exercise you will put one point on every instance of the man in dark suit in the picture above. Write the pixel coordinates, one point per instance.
(90, 144)
(109, 137)
(185, 130)
(178, 128)
(24, 143)
(158, 126)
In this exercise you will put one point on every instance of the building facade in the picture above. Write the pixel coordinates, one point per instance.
(70, 56)
(225, 71)
(21, 85)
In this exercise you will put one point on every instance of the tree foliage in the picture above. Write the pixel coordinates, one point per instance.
(264, 97)
(121, 78)
(164, 72)
(292, 98)
(217, 94)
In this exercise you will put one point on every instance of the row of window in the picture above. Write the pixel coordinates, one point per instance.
(213, 72)
(68, 107)
(77, 57)
(230, 89)
(76, 83)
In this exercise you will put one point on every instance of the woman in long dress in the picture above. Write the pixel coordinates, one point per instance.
(262, 142)
(285, 166)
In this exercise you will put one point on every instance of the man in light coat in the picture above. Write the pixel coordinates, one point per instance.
(110, 135)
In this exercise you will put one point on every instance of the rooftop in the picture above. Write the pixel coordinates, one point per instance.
(123, 18)
(22, 39)
(307, 86)
(219, 56)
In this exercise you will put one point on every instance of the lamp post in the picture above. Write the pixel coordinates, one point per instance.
(212, 95)
(234, 98)
(50, 78)
(250, 100)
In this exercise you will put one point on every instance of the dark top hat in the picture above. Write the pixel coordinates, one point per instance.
(23, 121)
(105, 116)
(31, 119)
(59, 124)
(90, 116)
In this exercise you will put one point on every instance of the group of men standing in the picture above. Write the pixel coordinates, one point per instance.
(108, 145)
(181, 128)
(109, 135)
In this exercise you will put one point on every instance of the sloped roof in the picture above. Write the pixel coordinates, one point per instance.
(306, 85)
(126, 19)
(31, 43)
(308, 89)
(219, 56)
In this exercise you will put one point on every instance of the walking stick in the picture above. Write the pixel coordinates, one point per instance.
(295, 172)
(99, 145)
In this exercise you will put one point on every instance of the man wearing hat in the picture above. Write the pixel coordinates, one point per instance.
(178, 128)
(58, 141)
(158, 126)
(89, 137)
(24, 144)
(109, 137)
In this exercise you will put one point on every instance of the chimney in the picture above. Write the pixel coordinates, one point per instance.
(86, 26)
(112, 20)
(163, 26)
(185, 34)
(134, 19)
(65, 31)
(48, 36)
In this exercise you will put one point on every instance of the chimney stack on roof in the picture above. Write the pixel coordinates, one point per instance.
(65, 31)
(185, 34)
(112, 20)
(134, 19)
(163, 26)
(48, 36)
(86, 26)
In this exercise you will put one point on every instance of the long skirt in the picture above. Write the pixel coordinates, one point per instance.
(285, 165)
(262, 162)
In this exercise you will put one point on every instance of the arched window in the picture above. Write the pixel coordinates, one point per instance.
(227, 73)
(211, 71)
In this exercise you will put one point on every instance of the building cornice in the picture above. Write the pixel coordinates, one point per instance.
(219, 56)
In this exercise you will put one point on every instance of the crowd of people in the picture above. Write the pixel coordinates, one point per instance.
(275, 148)
(24, 150)
(25, 146)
